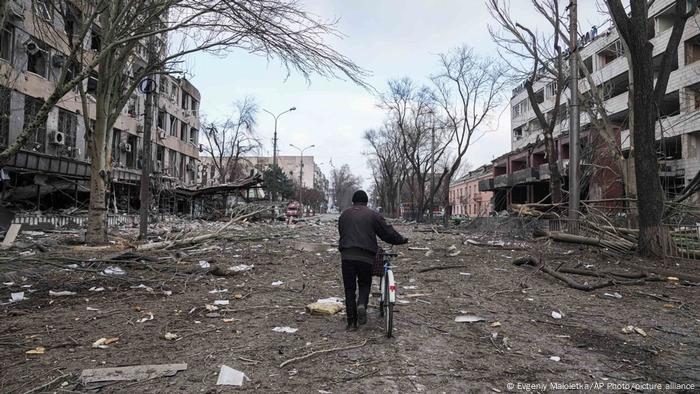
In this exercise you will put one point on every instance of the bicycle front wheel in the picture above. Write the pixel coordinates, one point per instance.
(388, 312)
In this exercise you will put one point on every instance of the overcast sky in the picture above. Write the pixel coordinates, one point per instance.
(391, 39)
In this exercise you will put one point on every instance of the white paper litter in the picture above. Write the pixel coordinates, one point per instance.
(613, 295)
(8, 283)
(145, 319)
(170, 336)
(218, 291)
(409, 287)
(277, 283)
(113, 270)
(556, 315)
(469, 319)
(230, 377)
(61, 293)
(89, 308)
(555, 358)
(93, 288)
(142, 286)
(465, 274)
(221, 302)
(15, 297)
(204, 264)
(241, 268)
(286, 329)
(330, 300)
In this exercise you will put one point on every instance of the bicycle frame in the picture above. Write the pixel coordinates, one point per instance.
(388, 279)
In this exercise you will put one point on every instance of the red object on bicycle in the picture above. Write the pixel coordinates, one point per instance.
(378, 264)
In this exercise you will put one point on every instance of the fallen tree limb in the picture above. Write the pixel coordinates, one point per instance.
(531, 261)
(621, 245)
(335, 349)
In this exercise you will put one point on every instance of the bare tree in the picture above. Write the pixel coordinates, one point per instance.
(388, 166)
(647, 95)
(423, 140)
(232, 138)
(469, 91)
(344, 185)
(103, 39)
(529, 47)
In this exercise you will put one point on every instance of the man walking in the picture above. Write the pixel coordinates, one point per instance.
(359, 228)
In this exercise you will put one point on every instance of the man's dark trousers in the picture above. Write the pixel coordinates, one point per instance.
(356, 273)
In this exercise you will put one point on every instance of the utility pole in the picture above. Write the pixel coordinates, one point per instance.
(574, 115)
(149, 87)
(301, 172)
(432, 166)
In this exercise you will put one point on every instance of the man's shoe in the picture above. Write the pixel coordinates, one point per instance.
(351, 327)
(362, 315)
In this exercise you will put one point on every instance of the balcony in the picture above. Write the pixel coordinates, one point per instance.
(526, 175)
(502, 181)
(486, 185)
(544, 173)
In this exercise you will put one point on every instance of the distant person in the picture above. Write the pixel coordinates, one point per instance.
(292, 211)
(359, 228)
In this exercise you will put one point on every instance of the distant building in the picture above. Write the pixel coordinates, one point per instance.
(290, 165)
(465, 196)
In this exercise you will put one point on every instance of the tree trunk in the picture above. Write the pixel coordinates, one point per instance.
(554, 175)
(652, 236)
(446, 201)
(99, 175)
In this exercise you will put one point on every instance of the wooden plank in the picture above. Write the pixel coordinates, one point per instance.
(134, 372)
(11, 235)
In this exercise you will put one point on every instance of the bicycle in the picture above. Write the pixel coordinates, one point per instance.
(388, 293)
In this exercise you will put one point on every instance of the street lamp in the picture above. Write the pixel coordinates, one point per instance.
(274, 140)
(301, 172)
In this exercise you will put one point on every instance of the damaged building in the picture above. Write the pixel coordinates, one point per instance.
(52, 170)
(522, 175)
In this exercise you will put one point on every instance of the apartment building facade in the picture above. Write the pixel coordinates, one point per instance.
(465, 196)
(522, 175)
(56, 160)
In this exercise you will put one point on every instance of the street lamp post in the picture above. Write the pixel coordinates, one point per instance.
(274, 140)
(301, 173)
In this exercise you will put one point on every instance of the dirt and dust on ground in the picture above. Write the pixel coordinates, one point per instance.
(207, 297)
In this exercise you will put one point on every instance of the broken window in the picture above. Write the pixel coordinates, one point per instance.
(610, 53)
(692, 49)
(185, 104)
(71, 21)
(172, 166)
(173, 126)
(552, 89)
(193, 136)
(92, 83)
(43, 9)
(183, 131)
(7, 43)
(163, 88)
(37, 138)
(5, 98)
(116, 140)
(95, 39)
(37, 57)
(68, 125)
(539, 96)
(195, 105)
(131, 148)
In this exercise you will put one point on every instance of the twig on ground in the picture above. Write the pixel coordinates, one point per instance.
(335, 349)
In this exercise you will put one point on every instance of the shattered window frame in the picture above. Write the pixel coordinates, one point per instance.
(37, 139)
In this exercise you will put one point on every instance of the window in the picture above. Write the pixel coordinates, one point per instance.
(92, 83)
(37, 139)
(116, 140)
(71, 20)
(183, 131)
(37, 57)
(552, 89)
(160, 122)
(185, 104)
(193, 136)
(95, 40)
(68, 125)
(5, 98)
(133, 142)
(173, 126)
(610, 53)
(43, 9)
(172, 165)
(160, 154)
(7, 43)
(163, 88)
(692, 50)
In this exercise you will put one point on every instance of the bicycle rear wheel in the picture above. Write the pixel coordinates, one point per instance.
(388, 312)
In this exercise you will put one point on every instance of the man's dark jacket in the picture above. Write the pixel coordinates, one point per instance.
(359, 228)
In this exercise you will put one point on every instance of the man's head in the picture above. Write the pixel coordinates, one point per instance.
(360, 197)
